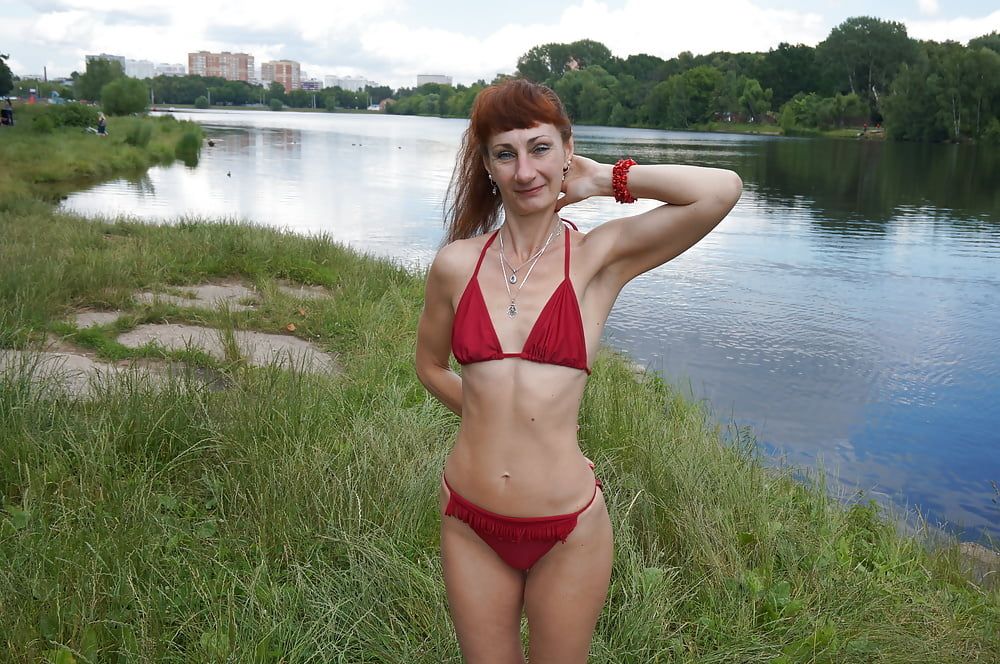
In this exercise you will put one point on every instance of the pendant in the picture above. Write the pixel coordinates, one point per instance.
(512, 310)
(513, 278)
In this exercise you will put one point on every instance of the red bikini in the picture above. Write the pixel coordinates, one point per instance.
(557, 337)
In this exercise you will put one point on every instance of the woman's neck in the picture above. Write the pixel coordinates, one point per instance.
(526, 234)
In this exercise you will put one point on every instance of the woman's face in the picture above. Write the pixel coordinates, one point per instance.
(527, 166)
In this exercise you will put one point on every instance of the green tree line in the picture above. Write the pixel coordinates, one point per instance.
(866, 71)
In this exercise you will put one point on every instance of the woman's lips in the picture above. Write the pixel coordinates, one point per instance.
(530, 192)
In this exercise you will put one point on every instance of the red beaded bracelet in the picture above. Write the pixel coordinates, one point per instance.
(619, 181)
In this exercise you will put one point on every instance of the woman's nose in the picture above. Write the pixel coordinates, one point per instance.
(525, 169)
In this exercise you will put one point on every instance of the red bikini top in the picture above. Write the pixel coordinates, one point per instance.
(556, 338)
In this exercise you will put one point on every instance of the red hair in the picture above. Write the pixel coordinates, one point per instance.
(471, 208)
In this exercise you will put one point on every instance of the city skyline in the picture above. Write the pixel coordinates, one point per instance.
(392, 41)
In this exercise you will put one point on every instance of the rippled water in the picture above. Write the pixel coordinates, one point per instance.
(848, 308)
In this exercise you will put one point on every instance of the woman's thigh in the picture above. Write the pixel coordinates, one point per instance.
(485, 594)
(565, 590)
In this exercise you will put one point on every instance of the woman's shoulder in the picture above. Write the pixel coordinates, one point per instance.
(458, 253)
(456, 260)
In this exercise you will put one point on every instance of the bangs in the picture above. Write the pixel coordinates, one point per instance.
(517, 104)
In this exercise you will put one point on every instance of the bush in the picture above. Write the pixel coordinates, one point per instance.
(188, 146)
(991, 135)
(124, 96)
(276, 105)
(73, 115)
(43, 123)
(139, 133)
(201, 102)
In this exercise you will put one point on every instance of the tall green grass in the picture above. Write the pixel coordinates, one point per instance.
(293, 518)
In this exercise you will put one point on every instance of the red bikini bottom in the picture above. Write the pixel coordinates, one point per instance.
(519, 541)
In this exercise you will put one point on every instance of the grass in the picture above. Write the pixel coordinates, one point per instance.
(293, 518)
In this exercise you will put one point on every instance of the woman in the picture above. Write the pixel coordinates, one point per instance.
(522, 307)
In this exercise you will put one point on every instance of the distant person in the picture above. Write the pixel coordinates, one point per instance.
(7, 114)
(102, 125)
(520, 297)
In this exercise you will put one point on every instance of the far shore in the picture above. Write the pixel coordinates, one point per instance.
(712, 127)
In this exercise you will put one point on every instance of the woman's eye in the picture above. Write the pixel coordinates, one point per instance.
(541, 149)
(506, 155)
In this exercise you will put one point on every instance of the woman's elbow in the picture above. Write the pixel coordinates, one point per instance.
(728, 190)
(731, 186)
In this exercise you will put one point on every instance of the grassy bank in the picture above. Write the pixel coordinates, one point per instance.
(42, 161)
(293, 518)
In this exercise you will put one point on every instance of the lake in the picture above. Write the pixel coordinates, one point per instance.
(848, 309)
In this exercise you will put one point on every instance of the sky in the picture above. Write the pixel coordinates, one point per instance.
(391, 41)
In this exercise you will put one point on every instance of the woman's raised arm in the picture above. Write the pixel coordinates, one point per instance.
(697, 198)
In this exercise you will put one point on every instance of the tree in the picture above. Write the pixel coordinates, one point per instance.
(276, 91)
(990, 41)
(550, 61)
(789, 70)
(201, 102)
(6, 77)
(276, 104)
(984, 74)
(124, 96)
(755, 100)
(99, 73)
(864, 55)
(588, 94)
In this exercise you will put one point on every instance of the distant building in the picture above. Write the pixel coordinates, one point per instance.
(351, 83)
(424, 79)
(165, 69)
(139, 68)
(230, 66)
(131, 68)
(312, 84)
(285, 72)
(120, 59)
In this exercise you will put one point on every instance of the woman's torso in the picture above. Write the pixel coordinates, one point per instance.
(516, 452)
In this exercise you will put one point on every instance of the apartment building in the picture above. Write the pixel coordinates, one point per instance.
(286, 72)
(230, 66)
(350, 83)
(423, 79)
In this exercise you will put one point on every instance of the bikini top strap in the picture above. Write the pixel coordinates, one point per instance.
(571, 224)
(482, 254)
(566, 258)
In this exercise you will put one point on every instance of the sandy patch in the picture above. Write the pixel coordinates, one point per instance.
(69, 372)
(258, 348)
(79, 371)
(206, 296)
(301, 291)
(86, 319)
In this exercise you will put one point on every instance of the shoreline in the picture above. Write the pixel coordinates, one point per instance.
(714, 127)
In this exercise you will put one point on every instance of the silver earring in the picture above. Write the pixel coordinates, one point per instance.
(493, 184)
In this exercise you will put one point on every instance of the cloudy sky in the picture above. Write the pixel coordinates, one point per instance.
(391, 41)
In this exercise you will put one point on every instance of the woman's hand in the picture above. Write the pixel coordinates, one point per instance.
(584, 179)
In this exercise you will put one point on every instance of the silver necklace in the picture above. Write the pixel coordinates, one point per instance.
(512, 307)
(514, 270)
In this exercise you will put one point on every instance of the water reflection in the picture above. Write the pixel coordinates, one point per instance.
(847, 309)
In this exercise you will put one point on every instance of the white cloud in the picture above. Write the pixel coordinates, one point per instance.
(928, 7)
(655, 27)
(370, 38)
(960, 29)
